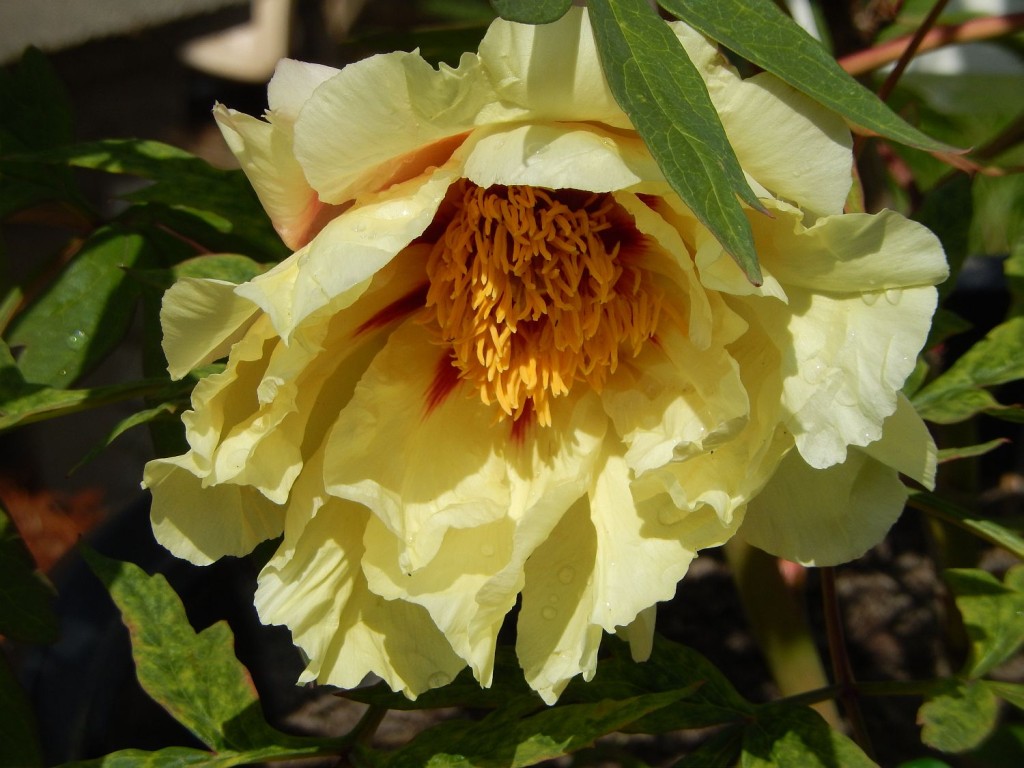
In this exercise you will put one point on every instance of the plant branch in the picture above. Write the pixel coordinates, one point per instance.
(912, 47)
(990, 27)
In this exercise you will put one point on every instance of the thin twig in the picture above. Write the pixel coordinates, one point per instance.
(988, 28)
(911, 49)
(842, 672)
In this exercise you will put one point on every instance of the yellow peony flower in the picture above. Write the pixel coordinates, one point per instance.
(506, 363)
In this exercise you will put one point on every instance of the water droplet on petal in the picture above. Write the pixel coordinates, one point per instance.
(438, 679)
(548, 612)
(893, 296)
(869, 298)
(567, 574)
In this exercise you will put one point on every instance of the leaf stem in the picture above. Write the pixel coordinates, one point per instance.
(863, 62)
(912, 47)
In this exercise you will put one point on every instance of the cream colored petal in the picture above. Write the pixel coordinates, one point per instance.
(473, 580)
(852, 253)
(847, 356)
(264, 151)
(793, 146)
(273, 290)
(558, 156)
(675, 401)
(550, 71)
(201, 320)
(315, 586)
(422, 469)
(447, 586)
(640, 634)
(356, 245)
(824, 516)
(292, 85)
(906, 445)
(373, 123)
(202, 524)
(639, 559)
(555, 640)
(222, 401)
(303, 386)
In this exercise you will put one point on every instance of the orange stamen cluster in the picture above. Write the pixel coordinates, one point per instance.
(533, 291)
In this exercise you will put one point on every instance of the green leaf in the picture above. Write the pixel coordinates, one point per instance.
(947, 211)
(957, 394)
(186, 757)
(989, 530)
(959, 717)
(508, 739)
(993, 615)
(671, 666)
(142, 417)
(37, 110)
(657, 85)
(195, 677)
(26, 596)
(35, 402)
(761, 33)
(970, 451)
(531, 11)
(18, 733)
(182, 181)
(84, 313)
(945, 324)
(723, 748)
(230, 267)
(1009, 692)
(787, 735)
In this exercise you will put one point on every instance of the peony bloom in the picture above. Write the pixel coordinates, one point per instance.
(506, 364)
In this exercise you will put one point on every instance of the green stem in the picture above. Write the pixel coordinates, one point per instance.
(779, 625)
(842, 671)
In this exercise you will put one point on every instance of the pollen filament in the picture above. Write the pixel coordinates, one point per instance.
(536, 290)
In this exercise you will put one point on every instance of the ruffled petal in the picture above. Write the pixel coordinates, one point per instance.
(314, 584)
(264, 151)
(555, 639)
(201, 320)
(202, 524)
(292, 85)
(350, 250)
(906, 445)
(550, 72)
(473, 580)
(789, 143)
(852, 253)
(824, 516)
(383, 450)
(385, 119)
(847, 358)
(558, 157)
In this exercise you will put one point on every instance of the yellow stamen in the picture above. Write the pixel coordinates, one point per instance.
(533, 292)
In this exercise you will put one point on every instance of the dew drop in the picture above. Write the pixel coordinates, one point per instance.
(438, 679)
(567, 574)
(548, 612)
(893, 296)
(76, 339)
(869, 298)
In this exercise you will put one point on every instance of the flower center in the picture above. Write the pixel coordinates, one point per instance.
(537, 289)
